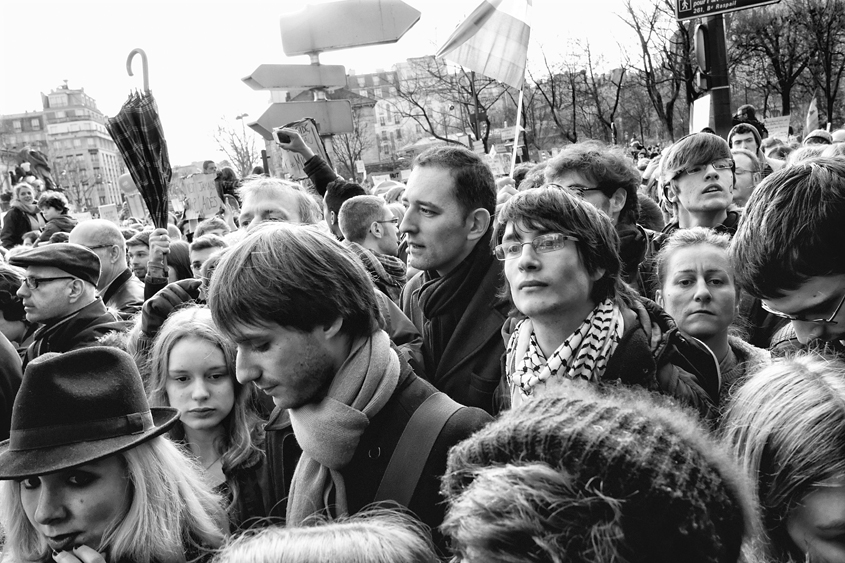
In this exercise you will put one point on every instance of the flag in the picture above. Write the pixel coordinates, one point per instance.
(493, 41)
(812, 118)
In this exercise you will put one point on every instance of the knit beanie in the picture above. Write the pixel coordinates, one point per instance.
(680, 497)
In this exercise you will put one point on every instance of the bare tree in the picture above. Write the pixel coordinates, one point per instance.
(560, 85)
(348, 148)
(825, 27)
(238, 146)
(71, 175)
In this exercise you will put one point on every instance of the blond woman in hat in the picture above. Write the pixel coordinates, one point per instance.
(88, 476)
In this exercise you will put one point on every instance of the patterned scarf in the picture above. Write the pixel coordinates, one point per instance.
(328, 432)
(584, 354)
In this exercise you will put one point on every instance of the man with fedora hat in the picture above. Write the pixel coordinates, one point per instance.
(60, 292)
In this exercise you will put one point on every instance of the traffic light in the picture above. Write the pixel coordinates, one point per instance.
(701, 47)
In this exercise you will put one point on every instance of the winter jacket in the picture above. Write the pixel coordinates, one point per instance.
(16, 224)
(60, 224)
(320, 173)
(125, 295)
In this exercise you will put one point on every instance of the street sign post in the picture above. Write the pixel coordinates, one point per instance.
(341, 25)
(689, 9)
(333, 116)
(267, 77)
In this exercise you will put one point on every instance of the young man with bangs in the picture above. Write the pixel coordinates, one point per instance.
(304, 315)
(451, 199)
(788, 253)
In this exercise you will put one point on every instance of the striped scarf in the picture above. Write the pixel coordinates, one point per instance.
(583, 355)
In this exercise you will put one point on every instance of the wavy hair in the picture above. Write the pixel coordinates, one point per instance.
(786, 427)
(372, 536)
(244, 435)
(169, 511)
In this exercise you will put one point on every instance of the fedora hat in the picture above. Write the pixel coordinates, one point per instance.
(78, 407)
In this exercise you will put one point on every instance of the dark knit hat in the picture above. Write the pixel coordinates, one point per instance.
(819, 137)
(680, 497)
(74, 259)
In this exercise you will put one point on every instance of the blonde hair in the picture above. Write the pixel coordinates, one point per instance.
(244, 433)
(374, 536)
(169, 511)
(786, 427)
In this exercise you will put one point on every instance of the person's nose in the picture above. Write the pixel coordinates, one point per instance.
(199, 390)
(528, 259)
(51, 508)
(702, 291)
(23, 291)
(245, 371)
(807, 332)
(407, 225)
(711, 172)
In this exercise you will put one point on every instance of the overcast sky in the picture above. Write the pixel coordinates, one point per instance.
(199, 51)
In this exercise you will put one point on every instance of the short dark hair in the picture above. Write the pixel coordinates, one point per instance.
(210, 224)
(207, 241)
(56, 200)
(140, 239)
(475, 187)
(357, 214)
(294, 276)
(206, 163)
(552, 209)
(609, 167)
(743, 129)
(338, 191)
(793, 228)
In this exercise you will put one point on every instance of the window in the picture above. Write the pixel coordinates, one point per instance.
(389, 77)
(392, 90)
(361, 81)
(384, 135)
(376, 81)
(60, 115)
(92, 142)
(36, 125)
(381, 121)
(17, 125)
(67, 143)
(12, 140)
(398, 134)
(385, 91)
(77, 142)
(396, 118)
(102, 200)
(362, 93)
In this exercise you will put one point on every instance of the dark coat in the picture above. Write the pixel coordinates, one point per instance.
(77, 330)
(15, 225)
(320, 173)
(10, 381)
(379, 440)
(471, 367)
(60, 224)
(125, 295)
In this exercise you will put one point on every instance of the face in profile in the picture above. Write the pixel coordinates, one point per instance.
(817, 525)
(77, 506)
(699, 292)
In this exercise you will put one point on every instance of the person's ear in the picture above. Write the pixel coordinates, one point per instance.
(376, 229)
(670, 192)
(598, 274)
(478, 222)
(77, 288)
(658, 298)
(333, 329)
(617, 201)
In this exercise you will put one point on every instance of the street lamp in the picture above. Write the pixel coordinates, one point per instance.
(243, 127)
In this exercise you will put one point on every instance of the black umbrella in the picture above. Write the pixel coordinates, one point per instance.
(137, 131)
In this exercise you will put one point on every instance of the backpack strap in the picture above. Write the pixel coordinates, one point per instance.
(406, 464)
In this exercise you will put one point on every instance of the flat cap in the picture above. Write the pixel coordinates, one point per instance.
(820, 137)
(74, 259)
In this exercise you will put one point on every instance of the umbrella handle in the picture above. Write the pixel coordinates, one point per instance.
(144, 67)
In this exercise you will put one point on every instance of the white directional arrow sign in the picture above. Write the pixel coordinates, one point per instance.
(267, 77)
(332, 116)
(350, 23)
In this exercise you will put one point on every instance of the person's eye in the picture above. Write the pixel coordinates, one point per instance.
(546, 245)
(684, 282)
(80, 478)
(426, 211)
(260, 347)
(216, 376)
(695, 169)
(513, 249)
(179, 378)
(30, 483)
(717, 281)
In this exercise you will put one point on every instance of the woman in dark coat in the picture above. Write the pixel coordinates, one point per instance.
(23, 217)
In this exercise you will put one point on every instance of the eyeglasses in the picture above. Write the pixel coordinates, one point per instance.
(827, 321)
(695, 169)
(395, 221)
(541, 245)
(577, 190)
(99, 246)
(33, 283)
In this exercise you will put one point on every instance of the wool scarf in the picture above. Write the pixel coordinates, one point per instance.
(583, 355)
(36, 221)
(387, 272)
(329, 431)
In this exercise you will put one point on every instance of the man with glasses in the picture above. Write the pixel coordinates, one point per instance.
(337, 192)
(747, 173)
(698, 176)
(120, 289)
(60, 292)
(788, 252)
(606, 178)
(371, 231)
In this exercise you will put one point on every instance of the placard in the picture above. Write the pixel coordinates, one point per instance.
(137, 208)
(700, 114)
(82, 216)
(293, 163)
(109, 213)
(199, 194)
(778, 127)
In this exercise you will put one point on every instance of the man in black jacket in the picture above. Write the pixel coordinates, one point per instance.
(303, 313)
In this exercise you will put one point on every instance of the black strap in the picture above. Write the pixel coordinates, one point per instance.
(115, 285)
(406, 464)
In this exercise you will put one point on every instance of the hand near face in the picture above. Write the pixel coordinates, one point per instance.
(159, 247)
(79, 554)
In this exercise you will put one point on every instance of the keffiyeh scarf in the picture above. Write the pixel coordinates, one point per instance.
(583, 355)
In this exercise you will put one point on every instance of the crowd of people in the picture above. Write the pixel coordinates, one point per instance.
(595, 359)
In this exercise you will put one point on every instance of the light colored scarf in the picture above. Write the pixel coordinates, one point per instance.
(36, 220)
(583, 355)
(328, 431)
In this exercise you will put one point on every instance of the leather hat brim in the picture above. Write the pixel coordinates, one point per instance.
(28, 463)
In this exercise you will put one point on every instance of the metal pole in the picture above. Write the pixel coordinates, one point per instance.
(475, 101)
(720, 89)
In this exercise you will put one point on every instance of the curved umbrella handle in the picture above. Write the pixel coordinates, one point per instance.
(144, 67)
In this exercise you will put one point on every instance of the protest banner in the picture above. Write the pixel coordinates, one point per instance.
(136, 205)
(82, 216)
(292, 163)
(778, 127)
(109, 213)
(199, 195)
